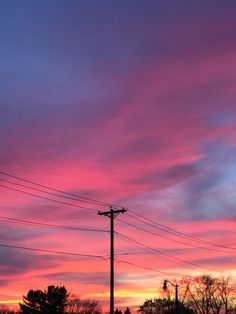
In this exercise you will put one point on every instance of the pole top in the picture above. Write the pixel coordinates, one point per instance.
(112, 211)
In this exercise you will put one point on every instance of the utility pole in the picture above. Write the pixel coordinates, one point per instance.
(112, 214)
(176, 299)
(176, 294)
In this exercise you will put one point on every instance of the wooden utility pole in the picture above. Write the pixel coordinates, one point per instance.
(112, 214)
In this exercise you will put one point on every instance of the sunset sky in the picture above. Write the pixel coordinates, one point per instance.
(129, 103)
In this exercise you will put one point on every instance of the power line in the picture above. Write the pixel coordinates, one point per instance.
(46, 198)
(42, 224)
(157, 252)
(81, 255)
(160, 252)
(164, 228)
(168, 238)
(138, 244)
(43, 191)
(96, 202)
(147, 268)
(176, 232)
(52, 251)
(87, 199)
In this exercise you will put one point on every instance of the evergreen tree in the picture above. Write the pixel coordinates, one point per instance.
(53, 300)
(127, 311)
(32, 303)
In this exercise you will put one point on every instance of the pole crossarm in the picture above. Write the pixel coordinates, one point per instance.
(112, 211)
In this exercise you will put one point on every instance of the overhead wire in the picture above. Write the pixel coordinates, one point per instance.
(176, 232)
(42, 224)
(48, 199)
(105, 258)
(159, 252)
(147, 268)
(136, 243)
(171, 230)
(79, 197)
(52, 251)
(83, 207)
(168, 238)
(43, 191)
(144, 219)
(16, 220)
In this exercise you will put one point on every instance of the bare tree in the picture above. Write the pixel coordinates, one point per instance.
(227, 290)
(209, 295)
(75, 305)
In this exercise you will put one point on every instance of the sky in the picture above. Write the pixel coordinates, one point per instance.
(131, 104)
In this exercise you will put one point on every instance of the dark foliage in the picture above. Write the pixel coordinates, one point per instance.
(127, 311)
(53, 300)
(77, 306)
(164, 306)
(5, 310)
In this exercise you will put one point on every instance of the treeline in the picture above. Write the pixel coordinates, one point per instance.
(195, 295)
(54, 300)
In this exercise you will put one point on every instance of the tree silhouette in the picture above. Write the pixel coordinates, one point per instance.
(5, 310)
(165, 306)
(208, 294)
(56, 300)
(127, 311)
(53, 300)
(32, 303)
(77, 306)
